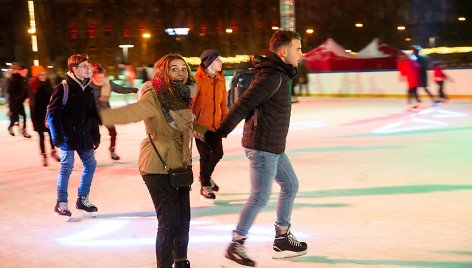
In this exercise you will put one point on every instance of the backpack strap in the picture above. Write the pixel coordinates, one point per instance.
(256, 111)
(66, 92)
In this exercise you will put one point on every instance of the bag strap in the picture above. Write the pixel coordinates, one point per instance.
(158, 154)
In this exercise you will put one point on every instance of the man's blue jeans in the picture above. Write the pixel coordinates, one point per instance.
(67, 164)
(264, 167)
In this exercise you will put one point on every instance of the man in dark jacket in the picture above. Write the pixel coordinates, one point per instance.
(424, 64)
(266, 106)
(17, 93)
(74, 128)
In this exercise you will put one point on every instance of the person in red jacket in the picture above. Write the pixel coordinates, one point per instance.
(210, 108)
(409, 70)
(439, 78)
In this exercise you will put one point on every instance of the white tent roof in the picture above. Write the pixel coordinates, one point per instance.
(372, 50)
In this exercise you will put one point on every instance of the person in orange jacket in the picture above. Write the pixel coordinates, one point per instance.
(209, 107)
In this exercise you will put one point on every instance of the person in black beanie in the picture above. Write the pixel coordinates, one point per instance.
(266, 107)
(209, 107)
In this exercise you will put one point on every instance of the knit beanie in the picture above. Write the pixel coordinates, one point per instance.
(208, 56)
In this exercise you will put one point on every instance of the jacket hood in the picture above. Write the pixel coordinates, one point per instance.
(272, 61)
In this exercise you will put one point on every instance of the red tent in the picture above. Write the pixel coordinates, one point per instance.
(330, 56)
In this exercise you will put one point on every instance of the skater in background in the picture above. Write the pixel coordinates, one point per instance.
(17, 90)
(40, 94)
(440, 77)
(102, 88)
(409, 72)
(302, 79)
(210, 108)
(164, 104)
(424, 64)
(264, 141)
(74, 128)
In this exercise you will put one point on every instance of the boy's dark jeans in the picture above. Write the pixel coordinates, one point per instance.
(208, 160)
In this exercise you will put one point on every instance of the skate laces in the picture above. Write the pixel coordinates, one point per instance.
(63, 206)
(86, 202)
(207, 190)
(241, 251)
(293, 240)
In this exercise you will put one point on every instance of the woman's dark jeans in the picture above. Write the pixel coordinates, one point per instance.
(173, 214)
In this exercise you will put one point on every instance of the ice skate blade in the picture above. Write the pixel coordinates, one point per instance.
(63, 218)
(277, 255)
(207, 201)
(228, 263)
(88, 215)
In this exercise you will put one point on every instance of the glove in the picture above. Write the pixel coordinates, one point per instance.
(212, 139)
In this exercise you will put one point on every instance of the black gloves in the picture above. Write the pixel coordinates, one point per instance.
(212, 139)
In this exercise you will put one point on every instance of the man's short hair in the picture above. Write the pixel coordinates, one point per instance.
(76, 59)
(282, 38)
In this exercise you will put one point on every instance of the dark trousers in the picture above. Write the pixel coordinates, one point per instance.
(15, 113)
(208, 160)
(442, 95)
(112, 133)
(173, 214)
(413, 95)
(42, 140)
(429, 93)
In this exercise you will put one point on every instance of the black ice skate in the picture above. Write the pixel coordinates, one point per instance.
(237, 253)
(214, 186)
(286, 245)
(84, 204)
(62, 209)
(113, 155)
(207, 194)
(182, 264)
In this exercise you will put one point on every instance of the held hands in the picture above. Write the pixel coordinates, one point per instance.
(212, 139)
(198, 135)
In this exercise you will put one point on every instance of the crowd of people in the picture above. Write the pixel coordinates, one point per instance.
(178, 108)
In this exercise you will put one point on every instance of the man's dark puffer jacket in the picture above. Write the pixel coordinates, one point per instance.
(267, 129)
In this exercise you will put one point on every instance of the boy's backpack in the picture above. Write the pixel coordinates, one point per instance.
(64, 101)
(239, 83)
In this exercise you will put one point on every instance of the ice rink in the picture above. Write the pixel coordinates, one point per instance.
(379, 187)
